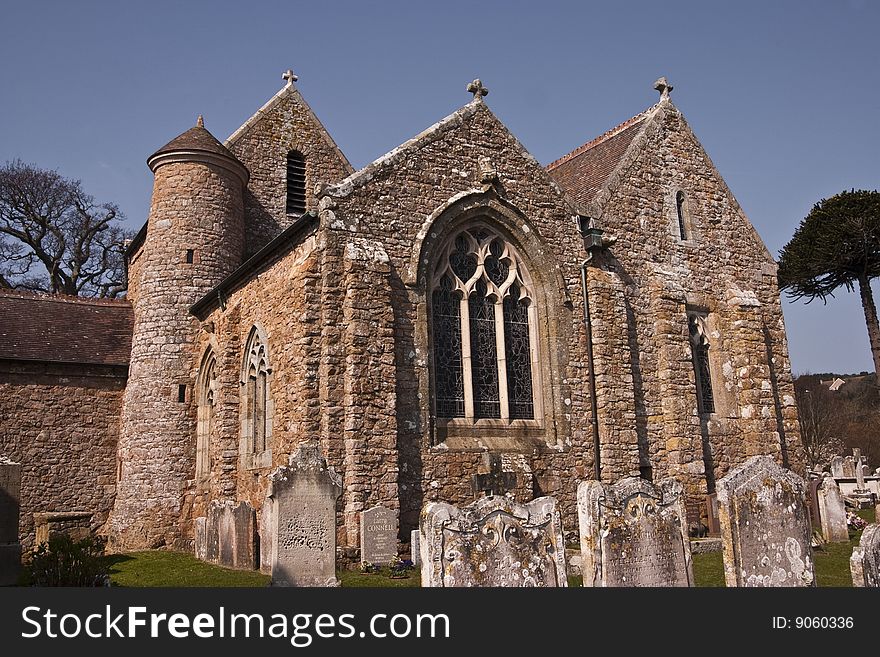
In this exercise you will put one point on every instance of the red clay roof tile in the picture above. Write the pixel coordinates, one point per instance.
(64, 329)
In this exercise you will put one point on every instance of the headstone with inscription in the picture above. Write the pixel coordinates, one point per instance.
(765, 527)
(832, 511)
(837, 467)
(634, 533)
(494, 541)
(378, 535)
(865, 561)
(304, 495)
(227, 535)
(10, 498)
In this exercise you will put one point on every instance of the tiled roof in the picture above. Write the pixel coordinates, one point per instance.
(64, 329)
(583, 172)
(196, 138)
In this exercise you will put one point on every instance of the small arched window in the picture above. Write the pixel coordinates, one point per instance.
(207, 390)
(256, 402)
(296, 183)
(680, 213)
(484, 326)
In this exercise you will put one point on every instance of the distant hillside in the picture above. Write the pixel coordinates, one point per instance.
(850, 414)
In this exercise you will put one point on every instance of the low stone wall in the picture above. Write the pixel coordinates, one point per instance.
(61, 422)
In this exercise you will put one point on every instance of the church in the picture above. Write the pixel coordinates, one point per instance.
(452, 304)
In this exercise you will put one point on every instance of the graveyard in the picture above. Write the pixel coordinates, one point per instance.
(776, 529)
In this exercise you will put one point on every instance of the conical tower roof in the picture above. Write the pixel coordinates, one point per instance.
(198, 142)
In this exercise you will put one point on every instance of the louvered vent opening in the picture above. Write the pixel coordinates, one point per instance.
(296, 183)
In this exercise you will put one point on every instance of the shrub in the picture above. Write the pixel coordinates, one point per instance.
(64, 562)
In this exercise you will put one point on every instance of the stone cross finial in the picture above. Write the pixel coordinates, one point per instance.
(290, 76)
(663, 87)
(496, 481)
(477, 89)
(200, 122)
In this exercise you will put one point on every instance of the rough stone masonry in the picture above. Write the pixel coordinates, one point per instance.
(450, 300)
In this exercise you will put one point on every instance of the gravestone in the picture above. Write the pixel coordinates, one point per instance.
(859, 471)
(849, 468)
(266, 524)
(415, 552)
(494, 541)
(378, 535)
(76, 525)
(492, 478)
(304, 495)
(813, 501)
(10, 501)
(837, 467)
(200, 537)
(765, 527)
(832, 511)
(865, 561)
(634, 534)
(236, 526)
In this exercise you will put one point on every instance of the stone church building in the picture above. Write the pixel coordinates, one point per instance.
(613, 313)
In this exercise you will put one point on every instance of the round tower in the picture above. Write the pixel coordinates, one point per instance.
(194, 239)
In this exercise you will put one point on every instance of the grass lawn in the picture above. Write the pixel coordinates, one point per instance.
(160, 568)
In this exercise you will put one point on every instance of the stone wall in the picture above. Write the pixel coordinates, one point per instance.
(409, 202)
(723, 269)
(283, 301)
(286, 123)
(61, 422)
(196, 205)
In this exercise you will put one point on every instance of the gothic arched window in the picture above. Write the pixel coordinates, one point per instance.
(256, 406)
(483, 321)
(296, 183)
(700, 350)
(206, 390)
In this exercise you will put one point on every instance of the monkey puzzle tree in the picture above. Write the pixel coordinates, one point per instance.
(55, 238)
(837, 244)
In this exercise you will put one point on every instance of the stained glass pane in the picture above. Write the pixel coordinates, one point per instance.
(518, 354)
(496, 269)
(448, 374)
(484, 359)
(462, 261)
(704, 379)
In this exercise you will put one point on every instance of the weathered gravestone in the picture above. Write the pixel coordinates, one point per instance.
(415, 551)
(832, 511)
(200, 536)
(493, 541)
(634, 534)
(378, 535)
(10, 498)
(267, 521)
(76, 525)
(865, 561)
(837, 467)
(765, 528)
(236, 533)
(304, 495)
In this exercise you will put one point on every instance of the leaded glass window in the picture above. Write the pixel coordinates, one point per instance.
(256, 404)
(700, 351)
(483, 324)
(207, 387)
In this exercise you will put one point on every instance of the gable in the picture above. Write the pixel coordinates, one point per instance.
(286, 123)
(584, 171)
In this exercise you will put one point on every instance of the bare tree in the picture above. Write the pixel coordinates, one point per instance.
(54, 237)
(820, 415)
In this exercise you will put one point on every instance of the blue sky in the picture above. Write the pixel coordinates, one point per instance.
(784, 95)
